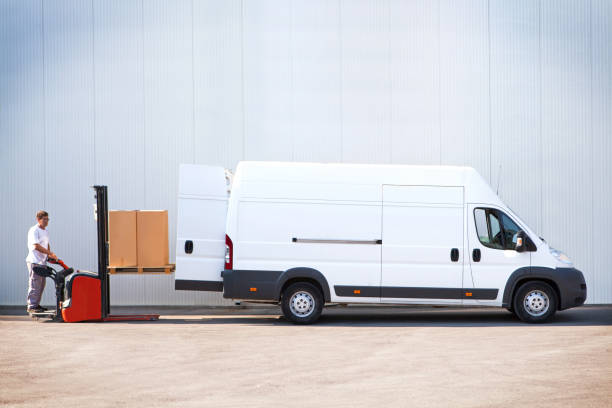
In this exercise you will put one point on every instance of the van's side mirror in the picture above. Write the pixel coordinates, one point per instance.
(524, 243)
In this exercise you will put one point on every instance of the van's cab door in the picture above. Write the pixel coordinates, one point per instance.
(201, 218)
(492, 242)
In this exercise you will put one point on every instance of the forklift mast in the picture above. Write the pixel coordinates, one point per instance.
(102, 220)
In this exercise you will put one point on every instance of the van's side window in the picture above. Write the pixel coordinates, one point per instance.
(495, 232)
(495, 229)
(481, 226)
(510, 232)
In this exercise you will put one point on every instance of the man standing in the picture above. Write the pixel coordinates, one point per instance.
(38, 252)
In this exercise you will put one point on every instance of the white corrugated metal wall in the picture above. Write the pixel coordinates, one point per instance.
(119, 92)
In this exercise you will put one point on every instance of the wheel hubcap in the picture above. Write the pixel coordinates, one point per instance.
(536, 303)
(302, 304)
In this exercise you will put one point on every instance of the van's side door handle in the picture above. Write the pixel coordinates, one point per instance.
(476, 255)
(454, 254)
(188, 246)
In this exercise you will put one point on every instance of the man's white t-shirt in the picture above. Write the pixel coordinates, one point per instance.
(37, 235)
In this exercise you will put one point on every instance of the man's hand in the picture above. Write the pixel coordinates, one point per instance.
(51, 255)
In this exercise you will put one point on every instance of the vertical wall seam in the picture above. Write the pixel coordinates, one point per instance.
(540, 103)
(93, 78)
(390, 84)
(44, 83)
(144, 107)
(440, 77)
(591, 132)
(291, 79)
(193, 88)
(341, 81)
(242, 96)
(490, 115)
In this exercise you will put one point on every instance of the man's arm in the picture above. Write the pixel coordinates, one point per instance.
(44, 250)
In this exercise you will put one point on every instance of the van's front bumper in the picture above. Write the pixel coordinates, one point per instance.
(572, 287)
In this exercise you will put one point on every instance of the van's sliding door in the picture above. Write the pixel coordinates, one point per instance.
(422, 244)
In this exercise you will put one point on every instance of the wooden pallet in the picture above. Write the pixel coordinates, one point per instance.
(166, 269)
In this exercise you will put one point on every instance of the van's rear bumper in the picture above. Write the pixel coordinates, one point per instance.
(572, 287)
(250, 285)
(208, 286)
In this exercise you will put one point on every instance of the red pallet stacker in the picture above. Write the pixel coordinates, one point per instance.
(83, 296)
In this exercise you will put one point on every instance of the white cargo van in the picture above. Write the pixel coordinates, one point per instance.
(307, 234)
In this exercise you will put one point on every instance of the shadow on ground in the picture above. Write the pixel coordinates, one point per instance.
(402, 317)
(353, 316)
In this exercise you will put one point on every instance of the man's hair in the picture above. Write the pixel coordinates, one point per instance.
(41, 214)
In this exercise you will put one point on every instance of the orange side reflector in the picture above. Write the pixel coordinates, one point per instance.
(253, 289)
(468, 293)
(356, 291)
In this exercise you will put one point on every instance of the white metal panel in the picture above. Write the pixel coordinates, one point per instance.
(169, 127)
(267, 80)
(464, 84)
(217, 82)
(600, 155)
(386, 53)
(119, 102)
(119, 117)
(22, 151)
(69, 132)
(366, 115)
(423, 195)
(316, 92)
(295, 190)
(265, 245)
(168, 95)
(567, 187)
(415, 81)
(515, 106)
(281, 176)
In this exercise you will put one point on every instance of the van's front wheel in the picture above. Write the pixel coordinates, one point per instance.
(302, 303)
(535, 302)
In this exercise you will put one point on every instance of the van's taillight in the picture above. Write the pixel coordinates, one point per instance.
(229, 253)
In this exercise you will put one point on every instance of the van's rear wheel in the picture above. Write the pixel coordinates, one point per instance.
(302, 303)
(535, 302)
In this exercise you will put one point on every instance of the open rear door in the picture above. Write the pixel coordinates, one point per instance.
(200, 232)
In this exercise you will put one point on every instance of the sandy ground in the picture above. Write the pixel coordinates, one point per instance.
(355, 357)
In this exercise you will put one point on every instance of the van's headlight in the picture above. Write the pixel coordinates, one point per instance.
(560, 256)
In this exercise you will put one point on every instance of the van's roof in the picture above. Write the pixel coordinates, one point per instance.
(476, 188)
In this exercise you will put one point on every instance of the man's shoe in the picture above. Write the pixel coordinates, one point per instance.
(36, 309)
(44, 309)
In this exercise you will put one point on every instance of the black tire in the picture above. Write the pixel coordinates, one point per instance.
(307, 306)
(535, 302)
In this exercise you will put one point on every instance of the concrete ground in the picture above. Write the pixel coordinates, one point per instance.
(355, 357)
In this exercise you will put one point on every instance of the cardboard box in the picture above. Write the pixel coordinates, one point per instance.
(152, 238)
(122, 238)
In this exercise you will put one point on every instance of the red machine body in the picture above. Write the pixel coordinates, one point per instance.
(83, 300)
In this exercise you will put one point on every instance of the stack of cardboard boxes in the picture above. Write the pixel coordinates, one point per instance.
(138, 239)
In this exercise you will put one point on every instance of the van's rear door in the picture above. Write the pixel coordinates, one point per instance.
(200, 232)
